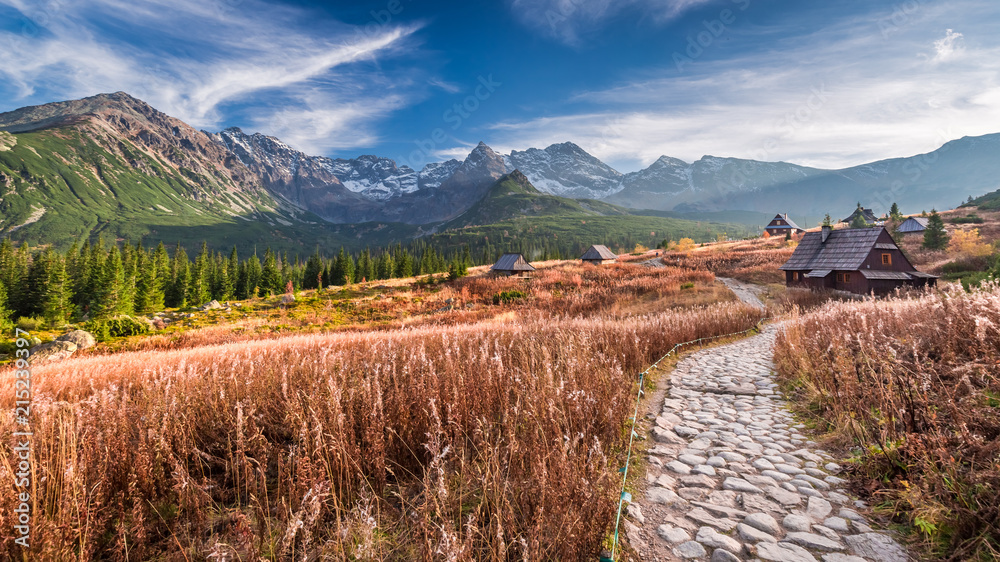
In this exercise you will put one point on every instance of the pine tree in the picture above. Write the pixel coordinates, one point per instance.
(894, 213)
(200, 290)
(386, 268)
(111, 297)
(57, 302)
(234, 269)
(349, 268)
(935, 236)
(827, 221)
(403, 263)
(177, 291)
(270, 282)
(4, 310)
(312, 276)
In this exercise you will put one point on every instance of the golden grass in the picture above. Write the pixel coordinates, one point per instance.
(489, 434)
(914, 383)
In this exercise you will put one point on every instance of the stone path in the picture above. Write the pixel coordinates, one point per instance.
(732, 478)
(746, 292)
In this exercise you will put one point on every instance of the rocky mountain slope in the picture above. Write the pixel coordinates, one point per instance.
(113, 163)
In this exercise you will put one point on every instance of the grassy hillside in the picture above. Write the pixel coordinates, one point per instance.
(988, 202)
(59, 185)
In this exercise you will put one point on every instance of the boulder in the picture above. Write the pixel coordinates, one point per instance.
(287, 298)
(81, 338)
(211, 305)
(51, 352)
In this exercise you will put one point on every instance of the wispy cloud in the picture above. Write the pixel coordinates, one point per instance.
(191, 58)
(569, 21)
(833, 98)
(948, 47)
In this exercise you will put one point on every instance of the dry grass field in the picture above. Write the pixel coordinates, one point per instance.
(477, 419)
(913, 383)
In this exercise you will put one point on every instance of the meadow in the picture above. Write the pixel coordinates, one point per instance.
(911, 386)
(437, 430)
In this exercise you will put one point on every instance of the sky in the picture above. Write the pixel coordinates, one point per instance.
(825, 84)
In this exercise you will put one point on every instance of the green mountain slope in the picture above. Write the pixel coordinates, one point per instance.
(513, 196)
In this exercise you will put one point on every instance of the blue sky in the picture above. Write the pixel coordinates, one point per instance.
(827, 84)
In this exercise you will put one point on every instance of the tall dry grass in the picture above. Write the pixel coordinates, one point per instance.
(496, 440)
(914, 383)
(752, 261)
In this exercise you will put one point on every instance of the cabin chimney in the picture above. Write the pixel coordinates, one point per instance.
(826, 232)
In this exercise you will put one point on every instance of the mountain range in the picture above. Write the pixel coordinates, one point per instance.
(80, 167)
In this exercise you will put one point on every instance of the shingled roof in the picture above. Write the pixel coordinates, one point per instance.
(790, 223)
(598, 252)
(913, 224)
(844, 250)
(512, 262)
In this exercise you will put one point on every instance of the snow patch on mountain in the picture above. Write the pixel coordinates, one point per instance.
(566, 170)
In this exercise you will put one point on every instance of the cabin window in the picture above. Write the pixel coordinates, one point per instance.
(781, 222)
(843, 278)
(886, 259)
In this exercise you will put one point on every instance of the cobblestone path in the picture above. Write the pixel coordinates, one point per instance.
(732, 478)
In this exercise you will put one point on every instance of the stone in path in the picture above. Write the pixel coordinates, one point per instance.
(732, 476)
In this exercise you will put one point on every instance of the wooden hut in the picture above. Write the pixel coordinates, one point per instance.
(859, 260)
(512, 264)
(598, 254)
(913, 224)
(781, 225)
(867, 214)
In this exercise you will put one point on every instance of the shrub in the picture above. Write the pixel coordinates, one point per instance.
(504, 297)
(687, 285)
(116, 327)
(30, 323)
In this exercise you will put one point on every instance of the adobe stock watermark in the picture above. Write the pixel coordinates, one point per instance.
(785, 128)
(39, 16)
(22, 439)
(713, 30)
(902, 15)
(455, 116)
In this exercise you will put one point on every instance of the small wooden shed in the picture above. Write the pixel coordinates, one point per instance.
(512, 264)
(781, 224)
(598, 254)
(913, 224)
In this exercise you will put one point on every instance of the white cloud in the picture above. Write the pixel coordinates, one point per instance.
(835, 98)
(948, 47)
(568, 21)
(189, 58)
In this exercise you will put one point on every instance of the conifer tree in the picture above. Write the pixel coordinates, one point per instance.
(177, 291)
(312, 276)
(270, 282)
(200, 290)
(234, 273)
(4, 310)
(111, 297)
(57, 302)
(935, 236)
(403, 263)
(347, 264)
(894, 213)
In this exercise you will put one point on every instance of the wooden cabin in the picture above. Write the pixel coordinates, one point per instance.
(867, 214)
(512, 265)
(913, 224)
(858, 260)
(598, 254)
(780, 225)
